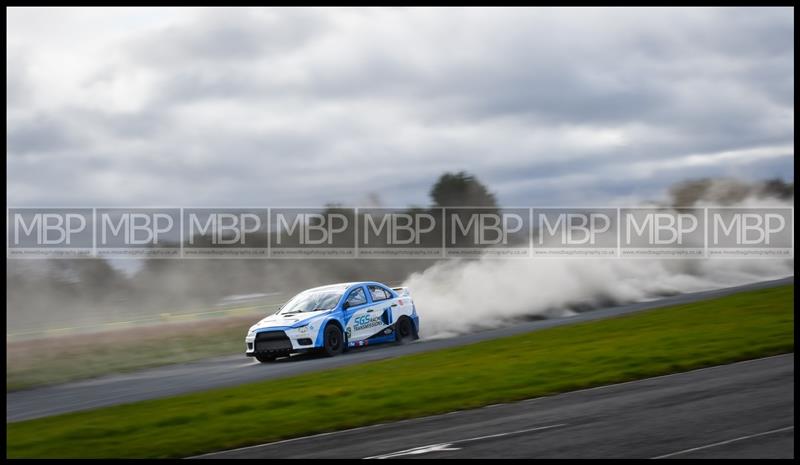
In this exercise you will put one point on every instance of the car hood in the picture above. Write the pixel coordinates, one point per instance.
(276, 320)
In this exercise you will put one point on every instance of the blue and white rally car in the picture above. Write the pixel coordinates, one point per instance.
(333, 318)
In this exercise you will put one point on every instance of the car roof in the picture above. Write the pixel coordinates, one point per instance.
(344, 286)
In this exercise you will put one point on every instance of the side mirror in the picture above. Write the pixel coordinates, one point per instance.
(346, 305)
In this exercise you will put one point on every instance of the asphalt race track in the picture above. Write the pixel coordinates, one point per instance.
(237, 369)
(741, 410)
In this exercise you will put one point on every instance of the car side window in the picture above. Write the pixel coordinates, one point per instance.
(378, 293)
(356, 297)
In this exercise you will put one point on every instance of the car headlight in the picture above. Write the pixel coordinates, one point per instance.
(302, 329)
(251, 332)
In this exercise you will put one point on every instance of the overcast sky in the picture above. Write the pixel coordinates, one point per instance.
(277, 107)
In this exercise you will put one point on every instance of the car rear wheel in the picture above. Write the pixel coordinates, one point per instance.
(404, 330)
(265, 358)
(334, 341)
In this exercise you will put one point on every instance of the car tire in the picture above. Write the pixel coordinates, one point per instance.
(265, 358)
(334, 341)
(404, 330)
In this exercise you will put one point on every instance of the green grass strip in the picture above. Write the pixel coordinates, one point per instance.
(737, 327)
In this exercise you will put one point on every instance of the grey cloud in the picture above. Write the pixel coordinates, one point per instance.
(311, 106)
(17, 88)
(40, 134)
(220, 35)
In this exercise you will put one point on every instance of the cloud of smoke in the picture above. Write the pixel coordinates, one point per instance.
(459, 297)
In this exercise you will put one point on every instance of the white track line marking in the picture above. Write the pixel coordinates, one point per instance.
(418, 451)
(708, 446)
(447, 445)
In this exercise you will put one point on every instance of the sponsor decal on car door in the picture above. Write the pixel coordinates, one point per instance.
(358, 315)
(367, 322)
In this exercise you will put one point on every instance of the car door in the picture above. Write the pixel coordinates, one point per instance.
(357, 314)
(382, 300)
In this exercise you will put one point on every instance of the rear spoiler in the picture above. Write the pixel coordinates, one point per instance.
(402, 291)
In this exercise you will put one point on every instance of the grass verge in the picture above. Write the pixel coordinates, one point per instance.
(737, 327)
(60, 359)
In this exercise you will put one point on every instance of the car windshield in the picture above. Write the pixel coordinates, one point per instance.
(312, 301)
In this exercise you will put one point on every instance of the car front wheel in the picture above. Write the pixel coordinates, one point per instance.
(334, 341)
